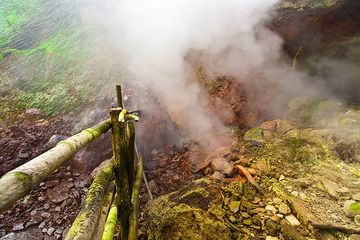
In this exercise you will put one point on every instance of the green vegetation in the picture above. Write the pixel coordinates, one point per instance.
(13, 14)
(48, 73)
(55, 100)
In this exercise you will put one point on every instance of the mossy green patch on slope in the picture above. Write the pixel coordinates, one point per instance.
(13, 14)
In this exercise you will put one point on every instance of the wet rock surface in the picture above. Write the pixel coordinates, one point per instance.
(27, 139)
(48, 210)
(208, 209)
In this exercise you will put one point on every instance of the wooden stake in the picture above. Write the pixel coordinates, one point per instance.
(135, 201)
(120, 156)
(119, 96)
(110, 225)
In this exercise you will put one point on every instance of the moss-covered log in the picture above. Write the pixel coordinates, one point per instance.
(20, 181)
(86, 221)
(100, 226)
(135, 200)
(110, 225)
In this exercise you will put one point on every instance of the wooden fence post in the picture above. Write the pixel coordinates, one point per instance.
(120, 154)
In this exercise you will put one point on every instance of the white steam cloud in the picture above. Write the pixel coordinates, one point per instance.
(154, 39)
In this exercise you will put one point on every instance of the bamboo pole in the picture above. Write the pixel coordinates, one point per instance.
(130, 134)
(86, 221)
(110, 225)
(135, 199)
(119, 96)
(20, 181)
(100, 227)
(120, 154)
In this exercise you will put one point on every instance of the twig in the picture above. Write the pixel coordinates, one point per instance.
(331, 226)
(250, 179)
(294, 63)
(144, 175)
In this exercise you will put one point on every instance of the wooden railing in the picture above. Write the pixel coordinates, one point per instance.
(113, 197)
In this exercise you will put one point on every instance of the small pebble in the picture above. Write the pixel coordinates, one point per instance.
(295, 193)
(42, 225)
(18, 227)
(292, 220)
(271, 208)
(277, 200)
(50, 231)
(46, 215)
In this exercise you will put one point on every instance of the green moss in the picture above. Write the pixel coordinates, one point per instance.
(291, 149)
(254, 134)
(192, 213)
(56, 100)
(92, 206)
(355, 207)
(24, 179)
(13, 14)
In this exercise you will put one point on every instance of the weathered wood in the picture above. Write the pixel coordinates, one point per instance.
(86, 221)
(130, 135)
(135, 200)
(100, 226)
(120, 154)
(119, 96)
(110, 225)
(20, 181)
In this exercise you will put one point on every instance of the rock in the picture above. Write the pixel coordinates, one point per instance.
(50, 231)
(295, 193)
(232, 219)
(187, 214)
(357, 220)
(282, 177)
(356, 197)
(269, 125)
(271, 208)
(247, 222)
(58, 209)
(198, 161)
(64, 233)
(24, 155)
(52, 183)
(218, 176)
(153, 187)
(330, 187)
(255, 135)
(34, 113)
(46, 206)
(271, 238)
(272, 227)
(42, 225)
(343, 190)
(54, 139)
(33, 212)
(277, 200)
(284, 209)
(18, 227)
(222, 165)
(59, 230)
(45, 215)
(234, 206)
(292, 220)
(60, 192)
(355, 237)
(351, 208)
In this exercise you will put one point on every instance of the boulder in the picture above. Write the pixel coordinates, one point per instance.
(191, 213)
